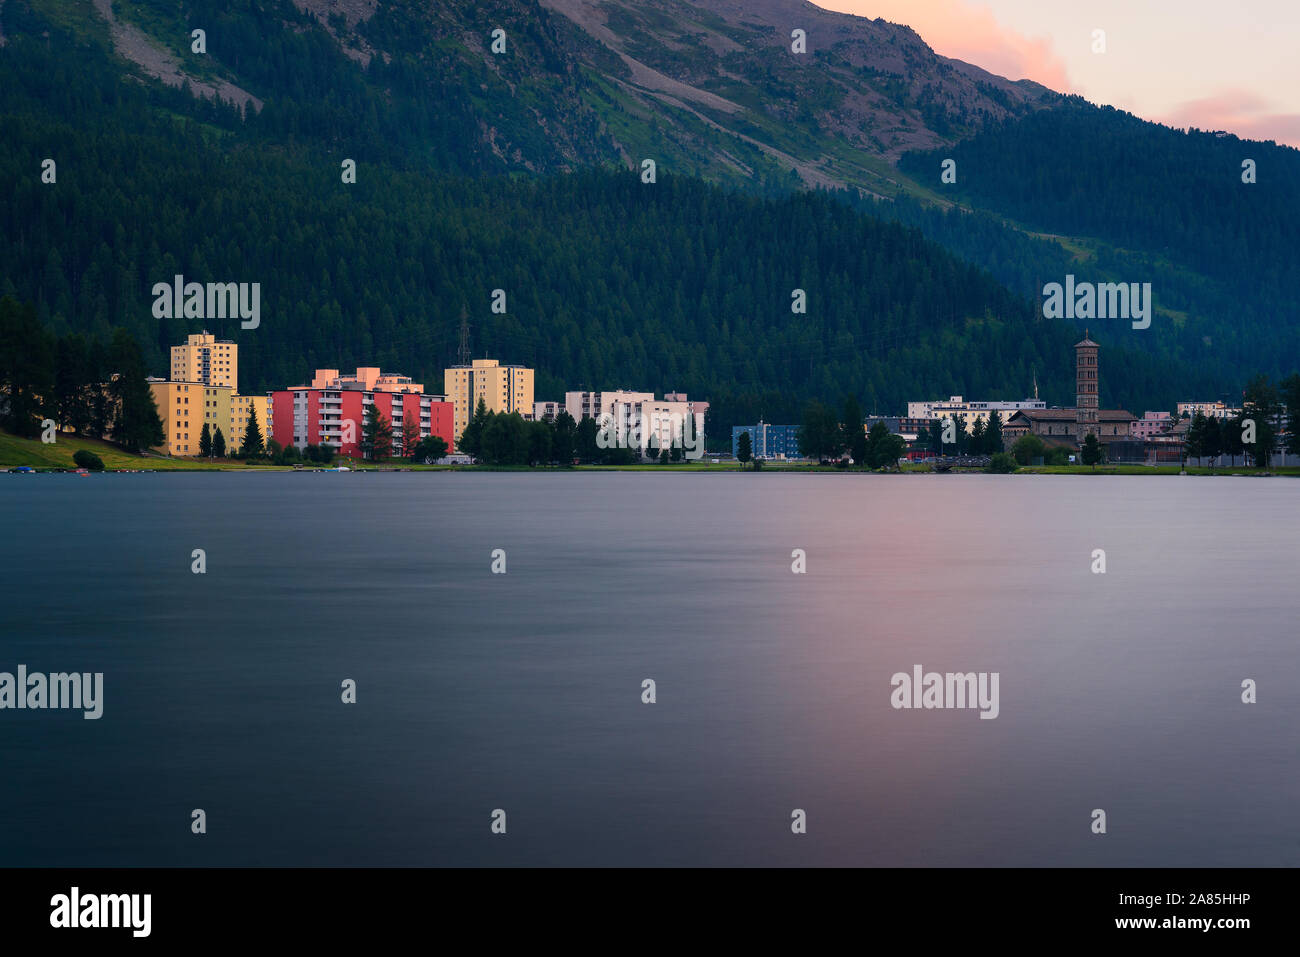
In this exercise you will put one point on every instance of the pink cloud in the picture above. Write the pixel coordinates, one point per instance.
(953, 29)
(1246, 114)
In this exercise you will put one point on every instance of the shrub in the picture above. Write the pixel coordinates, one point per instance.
(88, 460)
(1001, 464)
(1027, 448)
(1057, 455)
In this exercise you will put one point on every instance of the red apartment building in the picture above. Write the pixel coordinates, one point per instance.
(333, 410)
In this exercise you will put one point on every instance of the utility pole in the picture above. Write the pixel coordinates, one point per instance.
(463, 353)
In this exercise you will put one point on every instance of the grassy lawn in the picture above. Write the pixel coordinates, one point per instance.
(58, 454)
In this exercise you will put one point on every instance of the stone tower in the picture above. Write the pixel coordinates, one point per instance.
(1085, 386)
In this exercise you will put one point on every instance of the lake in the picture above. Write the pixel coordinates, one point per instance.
(522, 691)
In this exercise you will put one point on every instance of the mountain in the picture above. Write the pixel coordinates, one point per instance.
(710, 88)
(224, 164)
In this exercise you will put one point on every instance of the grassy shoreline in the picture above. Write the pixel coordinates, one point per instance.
(57, 456)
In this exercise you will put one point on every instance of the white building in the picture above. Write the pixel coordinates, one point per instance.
(633, 418)
(547, 411)
(592, 405)
(968, 412)
(1211, 410)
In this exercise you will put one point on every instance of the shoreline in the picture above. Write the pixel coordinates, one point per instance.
(722, 468)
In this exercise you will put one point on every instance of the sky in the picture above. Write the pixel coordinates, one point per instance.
(1204, 63)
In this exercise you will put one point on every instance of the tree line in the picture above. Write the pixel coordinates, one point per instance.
(1268, 423)
(508, 439)
(79, 384)
(828, 437)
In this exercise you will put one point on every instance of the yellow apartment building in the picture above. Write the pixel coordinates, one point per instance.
(203, 389)
(184, 408)
(204, 358)
(241, 407)
(503, 388)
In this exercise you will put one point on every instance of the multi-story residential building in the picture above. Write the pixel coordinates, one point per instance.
(663, 424)
(592, 405)
(698, 407)
(633, 419)
(968, 412)
(1151, 424)
(768, 441)
(366, 379)
(334, 412)
(204, 389)
(547, 411)
(185, 407)
(503, 388)
(205, 358)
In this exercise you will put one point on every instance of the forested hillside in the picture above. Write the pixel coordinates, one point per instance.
(1152, 204)
(610, 282)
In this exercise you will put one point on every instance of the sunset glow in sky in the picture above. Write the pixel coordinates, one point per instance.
(1219, 66)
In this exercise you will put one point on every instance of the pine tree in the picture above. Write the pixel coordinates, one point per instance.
(1230, 432)
(875, 438)
(936, 436)
(376, 435)
(205, 442)
(26, 369)
(1092, 450)
(963, 436)
(993, 434)
(137, 424)
(253, 445)
(744, 449)
(470, 441)
(565, 434)
(1262, 405)
(410, 437)
(1194, 441)
(1212, 440)
(219, 444)
(1291, 398)
(72, 383)
(855, 436)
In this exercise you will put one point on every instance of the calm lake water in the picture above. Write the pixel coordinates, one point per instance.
(522, 691)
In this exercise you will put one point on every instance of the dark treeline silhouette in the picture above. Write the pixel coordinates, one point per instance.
(79, 384)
